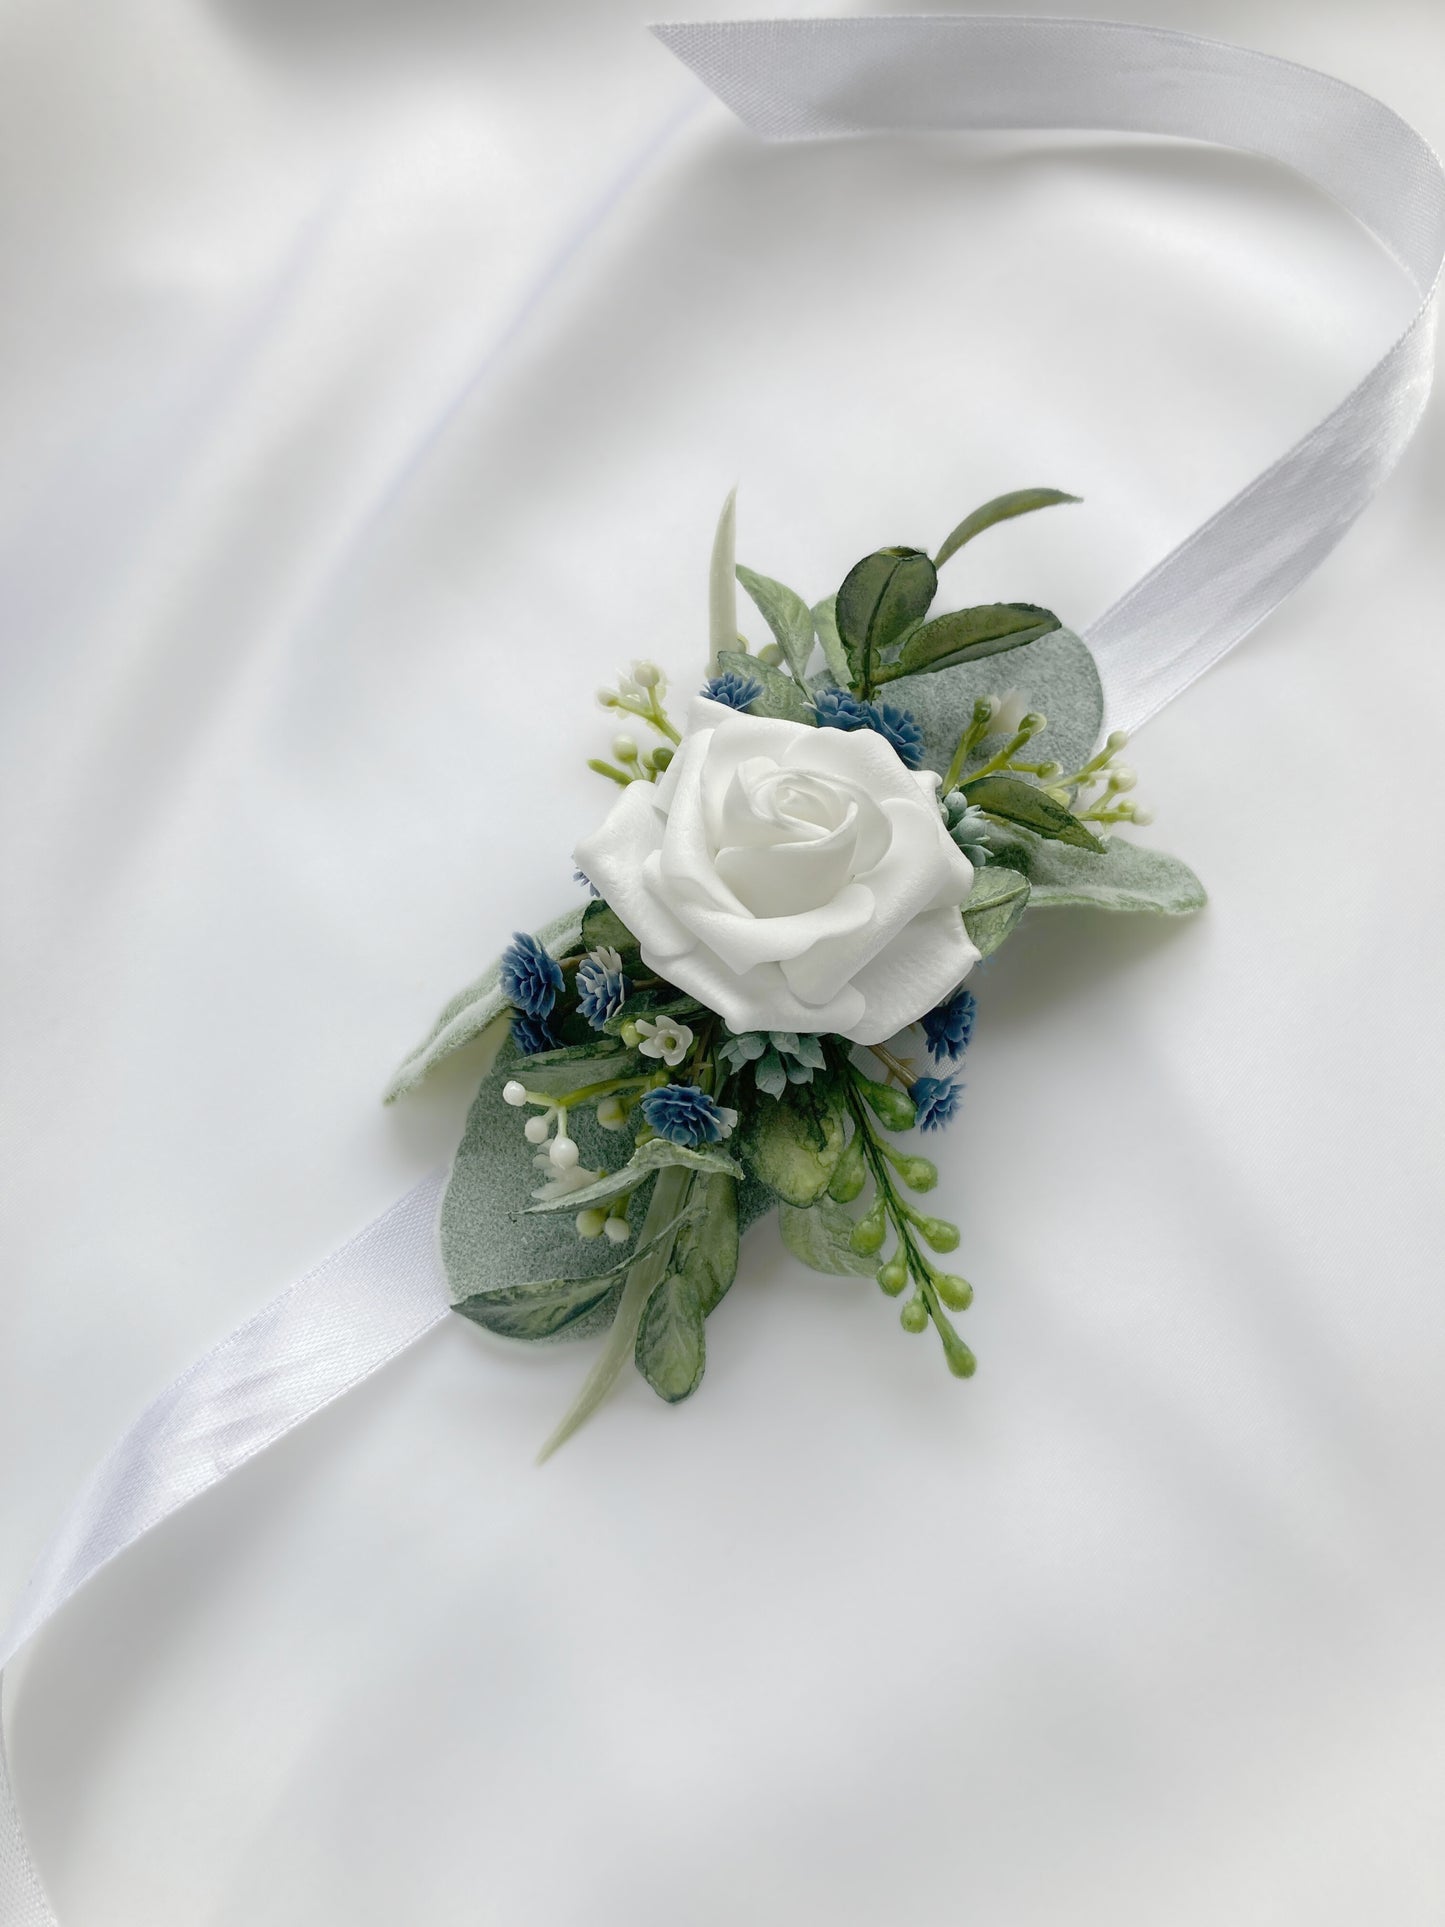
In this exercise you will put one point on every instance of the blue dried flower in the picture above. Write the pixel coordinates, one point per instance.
(949, 1028)
(581, 877)
(530, 977)
(900, 729)
(685, 1115)
(531, 1034)
(734, 689)
(840, 709)
(602, 986)
(936, 1100)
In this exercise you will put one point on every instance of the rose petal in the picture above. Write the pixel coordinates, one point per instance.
(924, 962)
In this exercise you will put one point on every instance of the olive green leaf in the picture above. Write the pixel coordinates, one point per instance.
(1126, 877)
(656, 1155)
(671, 1350)
(543, 1308)
(1018, 502)
(882, 596)
(479, 1009)
(969, 634)
(722, 599)
(1015, 800)
(825, 621)
(781, 695)
(554, 1073)
(997, 900)
(602, 928)
(821, 1236)
(792, 1143)
(786, 614)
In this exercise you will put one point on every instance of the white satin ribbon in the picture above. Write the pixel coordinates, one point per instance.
(801, 80)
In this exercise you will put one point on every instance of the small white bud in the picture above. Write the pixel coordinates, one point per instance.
(1123, 778)
(610, 1114)
(564, 1153)
(536, 1130)
(514, 1093)
(647, 673)
(624, 748)
(592, 1223)
(618, 1231)
(606, 698)
(1142, 814)
(1116, 740)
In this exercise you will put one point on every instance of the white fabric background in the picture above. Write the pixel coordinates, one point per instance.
(306, 583)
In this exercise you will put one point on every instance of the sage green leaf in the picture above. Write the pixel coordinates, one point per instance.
(1015, 800)
(825, 621)
(488, 1240)
(671, 1349)
(722, 600)
(997, 900)
(1055, 675)
(786, 614)
(557, 1073)
(543, 1309)
(479, 1009)
(820, 1236)
(781, 695)
(792, 1143)
(656, 1155)
(969, 634)
(1018, 502)
(881, 597)
(602, 928)
(656, 1001)
(1128, 876)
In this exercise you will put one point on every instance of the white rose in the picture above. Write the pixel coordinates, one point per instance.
(790, 878)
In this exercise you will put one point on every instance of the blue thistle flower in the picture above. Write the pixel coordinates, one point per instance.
(531, 1034)
(530, 976)
(602, 986)
(840, 709)
(685, 1115)
(936, 1100)
(581, 877)
(900, 729)
(949, 1027)
(734, 689)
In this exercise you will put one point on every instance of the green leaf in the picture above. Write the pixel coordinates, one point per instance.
(969, 634)
(1015, 800)
(542, 1309)
(1126, 877)
(671, 1349)
(479, 1010)
(656, 1001)
(786, 614)
(722, 599)
(820, 1236)
(997, 900)
(656, 1155)
(781, 695)
(881, 597)
(554, 1073)
(1019, 502)
(602, 928)
(792, 1143)
(825, 621)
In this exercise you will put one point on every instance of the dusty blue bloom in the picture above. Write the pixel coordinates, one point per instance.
(581, 876)
(840, 709)
(531, 1034)
(936, 1100)
(900, 729)
(602, 986)
(949, 1028)
(530, 977)
(734, 689)
(685, 1115)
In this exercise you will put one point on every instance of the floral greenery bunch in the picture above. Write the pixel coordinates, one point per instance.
(765, 993)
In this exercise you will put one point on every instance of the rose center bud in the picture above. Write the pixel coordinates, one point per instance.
(789, 840)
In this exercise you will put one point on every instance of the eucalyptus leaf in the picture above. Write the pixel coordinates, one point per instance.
(825, 621)
(556, 1073)
(1055, 675)
(781, 695)
(967, 635)
(786, 614)
(820, 1236)
(671, 1349)
(1128, 876)
(602, 928)
(656, 1155)
(882, 596)
(542, 1309)
(997, 900)
(792, 1143)
(722, 599)
(1018, 502)
(1015, 800)
(480, 1009)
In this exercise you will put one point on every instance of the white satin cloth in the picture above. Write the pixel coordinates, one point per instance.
(1051, 1644)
